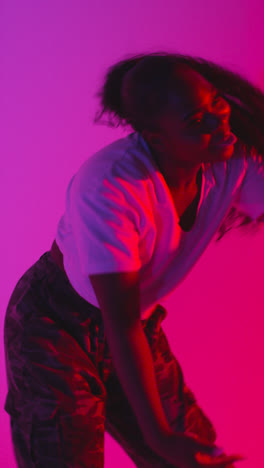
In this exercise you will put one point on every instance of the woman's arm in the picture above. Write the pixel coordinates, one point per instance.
(118, 297)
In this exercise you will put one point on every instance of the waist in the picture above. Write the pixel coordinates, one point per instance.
(57, 255)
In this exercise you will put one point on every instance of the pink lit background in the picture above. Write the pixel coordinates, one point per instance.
(54, 55)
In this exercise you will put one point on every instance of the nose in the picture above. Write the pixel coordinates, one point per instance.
(222, 126)
(224, 110)
(220, 119)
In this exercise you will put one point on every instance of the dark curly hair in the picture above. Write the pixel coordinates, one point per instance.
(147, 80)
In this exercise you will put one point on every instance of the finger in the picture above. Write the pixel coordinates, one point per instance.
(209, 449)
(203, 446)
(222, 460)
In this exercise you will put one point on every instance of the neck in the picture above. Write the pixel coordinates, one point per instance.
(182, 181)
(178, 178)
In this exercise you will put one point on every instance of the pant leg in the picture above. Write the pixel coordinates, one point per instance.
(61, 379)
(56, 398)
(179, 404)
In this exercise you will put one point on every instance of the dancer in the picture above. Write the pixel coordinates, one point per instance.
(84, 345)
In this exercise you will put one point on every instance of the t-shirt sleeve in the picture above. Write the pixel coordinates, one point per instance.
(251, 194)
(104, 225)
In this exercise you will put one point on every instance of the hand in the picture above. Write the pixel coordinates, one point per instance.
(187, 451)
(220, 461)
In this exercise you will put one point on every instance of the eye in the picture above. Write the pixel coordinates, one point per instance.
(217, 97)
(196, 121)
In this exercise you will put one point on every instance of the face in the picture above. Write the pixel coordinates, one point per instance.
(189, 127)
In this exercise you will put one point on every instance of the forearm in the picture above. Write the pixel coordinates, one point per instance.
(119, 299)
(134, 366)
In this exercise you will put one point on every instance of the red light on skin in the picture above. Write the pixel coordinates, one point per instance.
(230, 140)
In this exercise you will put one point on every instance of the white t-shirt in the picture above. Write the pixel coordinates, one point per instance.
(119, 216)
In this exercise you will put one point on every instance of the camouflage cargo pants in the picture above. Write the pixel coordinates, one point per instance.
(63, 392)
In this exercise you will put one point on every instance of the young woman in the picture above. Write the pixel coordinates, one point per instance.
(85, 350)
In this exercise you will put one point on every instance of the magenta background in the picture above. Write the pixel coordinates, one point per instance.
(54, 55)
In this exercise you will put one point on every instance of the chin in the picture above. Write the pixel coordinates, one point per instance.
(224, 153)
